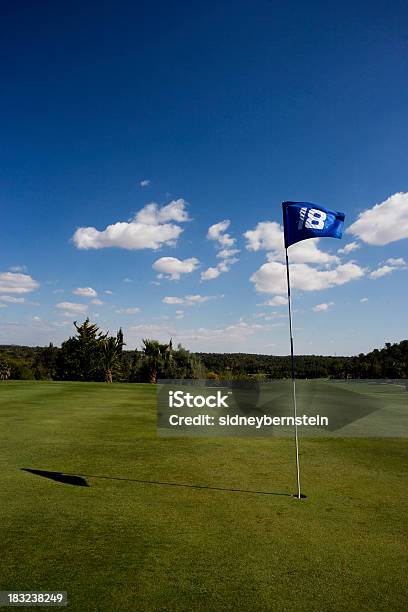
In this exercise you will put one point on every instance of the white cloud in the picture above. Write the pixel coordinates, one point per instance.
(158, 331)
(153, 214)
(210, 273)
(11, 299)
(225, 253)
(218, 233)
(189, 300)
(179, 314)
(391, 264)
(270, 316)
(145, 183)
(72, 308)
(151, 228)
(97, 302)
(348, 248)
(172, 268)
(278, 300)
(364, 300)
(108, 292)
(58, 291)
(323, 307)
(307, 251)
(268, 236)
(127, 280)
(128, 310)
(223, 266)
(382, 271)
(11, 282)
(397, 262)
(271, 277)
(85, 292)
(198, 299)
(225, 242)
(383, 223)
(202, 338)
(239, 330)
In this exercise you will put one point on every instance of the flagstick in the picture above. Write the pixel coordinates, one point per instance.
(293, 378)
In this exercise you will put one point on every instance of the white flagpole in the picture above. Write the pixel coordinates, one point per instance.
(293, 378)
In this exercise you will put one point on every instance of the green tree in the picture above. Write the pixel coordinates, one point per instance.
(81, 355)
(156, 356)
(184, 365)
(49, 359)
(111, 355)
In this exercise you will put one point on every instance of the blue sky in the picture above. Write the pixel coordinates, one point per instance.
(171, 118)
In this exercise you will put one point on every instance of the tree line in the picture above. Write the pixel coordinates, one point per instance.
(90, 355)
(388, 362)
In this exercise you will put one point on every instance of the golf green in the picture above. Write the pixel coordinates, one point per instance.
(124, 520)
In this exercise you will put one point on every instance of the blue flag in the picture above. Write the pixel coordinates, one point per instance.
(302, 220)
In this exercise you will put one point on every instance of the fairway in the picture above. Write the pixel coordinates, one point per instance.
(192, 524)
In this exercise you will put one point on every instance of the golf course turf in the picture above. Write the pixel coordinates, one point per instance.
(124, 520)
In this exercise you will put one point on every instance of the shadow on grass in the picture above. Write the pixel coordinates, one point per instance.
(79, 480)
(70, 479)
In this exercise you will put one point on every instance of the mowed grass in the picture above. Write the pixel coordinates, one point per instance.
(127, 542)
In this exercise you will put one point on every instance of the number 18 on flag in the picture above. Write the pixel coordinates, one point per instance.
(302, 220)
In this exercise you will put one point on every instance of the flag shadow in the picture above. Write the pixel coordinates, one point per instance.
(70, 479)
(79, 480)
